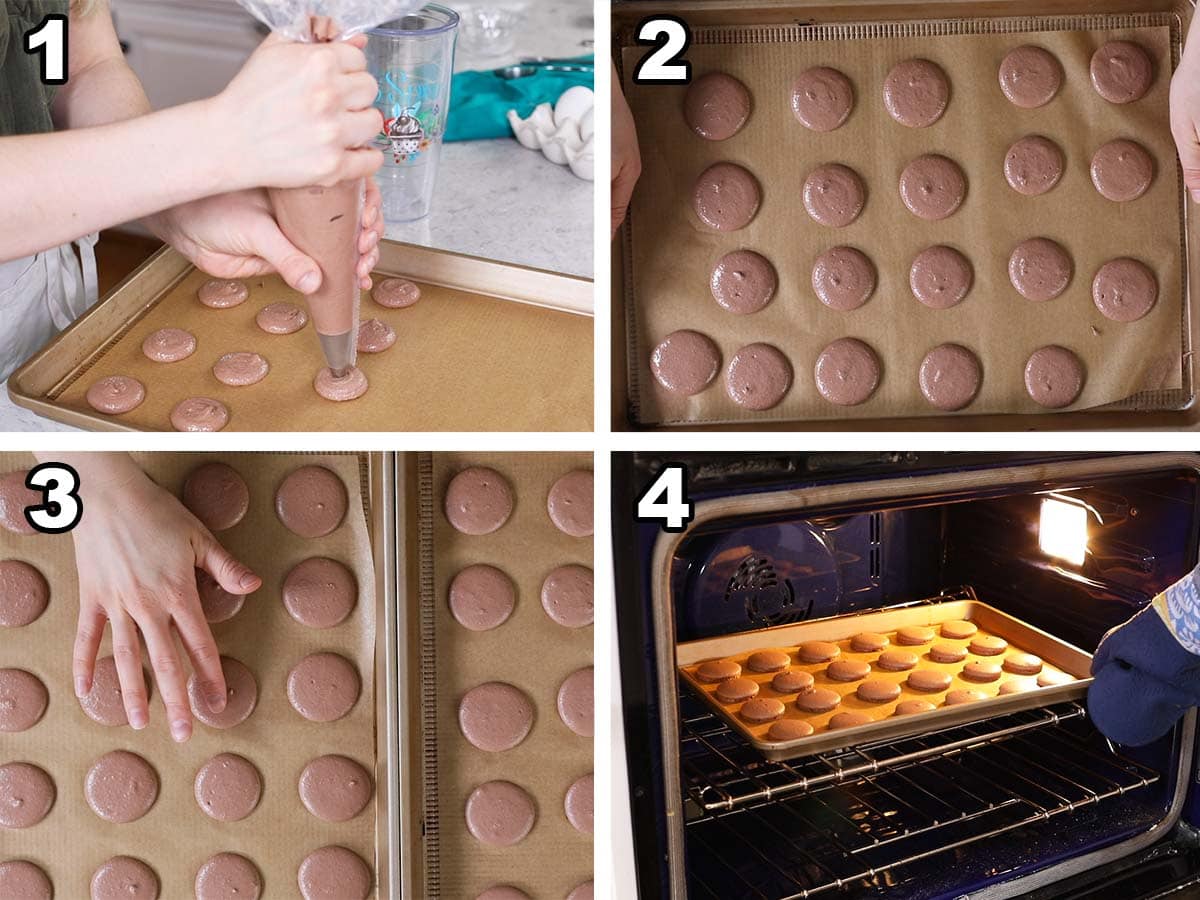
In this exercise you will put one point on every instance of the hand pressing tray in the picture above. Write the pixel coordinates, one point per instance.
(471, 636)
(1064, 674)
(470, 355)
(670, 252)
(175, 837)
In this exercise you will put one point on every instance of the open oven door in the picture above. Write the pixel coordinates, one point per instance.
(1156, 859)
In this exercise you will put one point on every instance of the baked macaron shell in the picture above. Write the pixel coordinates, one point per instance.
(869, 642)
(981, 671)
(762, 709)
(768, 661)
(789, 730)
(930, 681)
(914, 635)
(947, 653)
(717, 670)
(817, 651)
(794, 681)
(736, 690)
(987, 645)
(818, 700)
(958, 629)
(896, 660)
(848, 719)
(877, 690)
(1021, 663)
(846, 670)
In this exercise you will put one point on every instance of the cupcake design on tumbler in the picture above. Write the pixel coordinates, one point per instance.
(413, 118)
(405, 135)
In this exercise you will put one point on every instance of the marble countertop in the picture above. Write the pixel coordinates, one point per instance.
(496, 199)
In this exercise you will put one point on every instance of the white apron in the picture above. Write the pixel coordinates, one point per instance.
(41, 295)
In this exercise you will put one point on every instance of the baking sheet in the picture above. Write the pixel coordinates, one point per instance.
(529, 651)
(462, 361)
(175, 837)
(670, 254)
(1057, 657)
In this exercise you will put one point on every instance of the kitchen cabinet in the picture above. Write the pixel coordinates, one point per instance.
(185, 50)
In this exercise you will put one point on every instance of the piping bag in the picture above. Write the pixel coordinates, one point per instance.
(325, 223)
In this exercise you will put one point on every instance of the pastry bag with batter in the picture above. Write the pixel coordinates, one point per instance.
(324, 222)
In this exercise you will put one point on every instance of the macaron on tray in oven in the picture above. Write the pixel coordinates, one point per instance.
(275, 795)
(501, 697)
(932, 215)
(799, 689)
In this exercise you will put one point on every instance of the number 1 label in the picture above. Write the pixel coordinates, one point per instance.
(50, 40)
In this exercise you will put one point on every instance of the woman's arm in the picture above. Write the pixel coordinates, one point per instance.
(296, 114)
(1185, 110)
(137, 550)
(100, 88)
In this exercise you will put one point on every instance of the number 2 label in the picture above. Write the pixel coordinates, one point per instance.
(61, 507)
(665, 501)
(50, 40)
(671, 38)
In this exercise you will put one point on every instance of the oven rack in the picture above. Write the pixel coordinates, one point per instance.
(784, 831)
(724, 773)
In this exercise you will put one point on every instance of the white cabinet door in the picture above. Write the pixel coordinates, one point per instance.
(185, 50)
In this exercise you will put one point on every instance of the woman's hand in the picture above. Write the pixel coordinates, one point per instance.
(626, 158)
(1185, 110)
(137, 549)
(299, 114)
(236, 236)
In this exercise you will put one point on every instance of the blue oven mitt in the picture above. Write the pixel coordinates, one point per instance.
(1147, 670)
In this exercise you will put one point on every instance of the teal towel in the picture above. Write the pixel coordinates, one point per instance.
(480, 100)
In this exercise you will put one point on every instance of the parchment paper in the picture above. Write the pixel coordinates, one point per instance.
(461, 362)
(672, 253)
(175, 837)
(529, 651)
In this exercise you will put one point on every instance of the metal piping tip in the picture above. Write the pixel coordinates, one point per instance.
(341, 352)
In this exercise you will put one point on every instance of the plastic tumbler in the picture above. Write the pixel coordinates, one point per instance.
(412, 58)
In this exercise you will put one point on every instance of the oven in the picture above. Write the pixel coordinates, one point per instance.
(1027, 803)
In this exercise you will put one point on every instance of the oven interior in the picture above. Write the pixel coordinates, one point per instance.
(950, 811)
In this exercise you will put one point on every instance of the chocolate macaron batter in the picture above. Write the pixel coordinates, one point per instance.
(264, 796)
(875, 183)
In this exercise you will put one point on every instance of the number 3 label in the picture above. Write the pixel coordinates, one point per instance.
(61, 507)
(50, 40)
(671, 38)
(665, 501)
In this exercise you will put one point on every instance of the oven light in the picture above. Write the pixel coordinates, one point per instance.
(1062, 532)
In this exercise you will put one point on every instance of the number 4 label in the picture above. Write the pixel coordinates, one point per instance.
(671, 37)
(665, 501)
(50, 40)
(61, 507)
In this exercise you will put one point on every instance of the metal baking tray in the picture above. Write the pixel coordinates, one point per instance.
(1057, 655)
(472, 358)
(1161, 410)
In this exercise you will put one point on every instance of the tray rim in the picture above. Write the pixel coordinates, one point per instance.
(943, 717)
(51, 369)
(1121, 414)
(829, 495)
